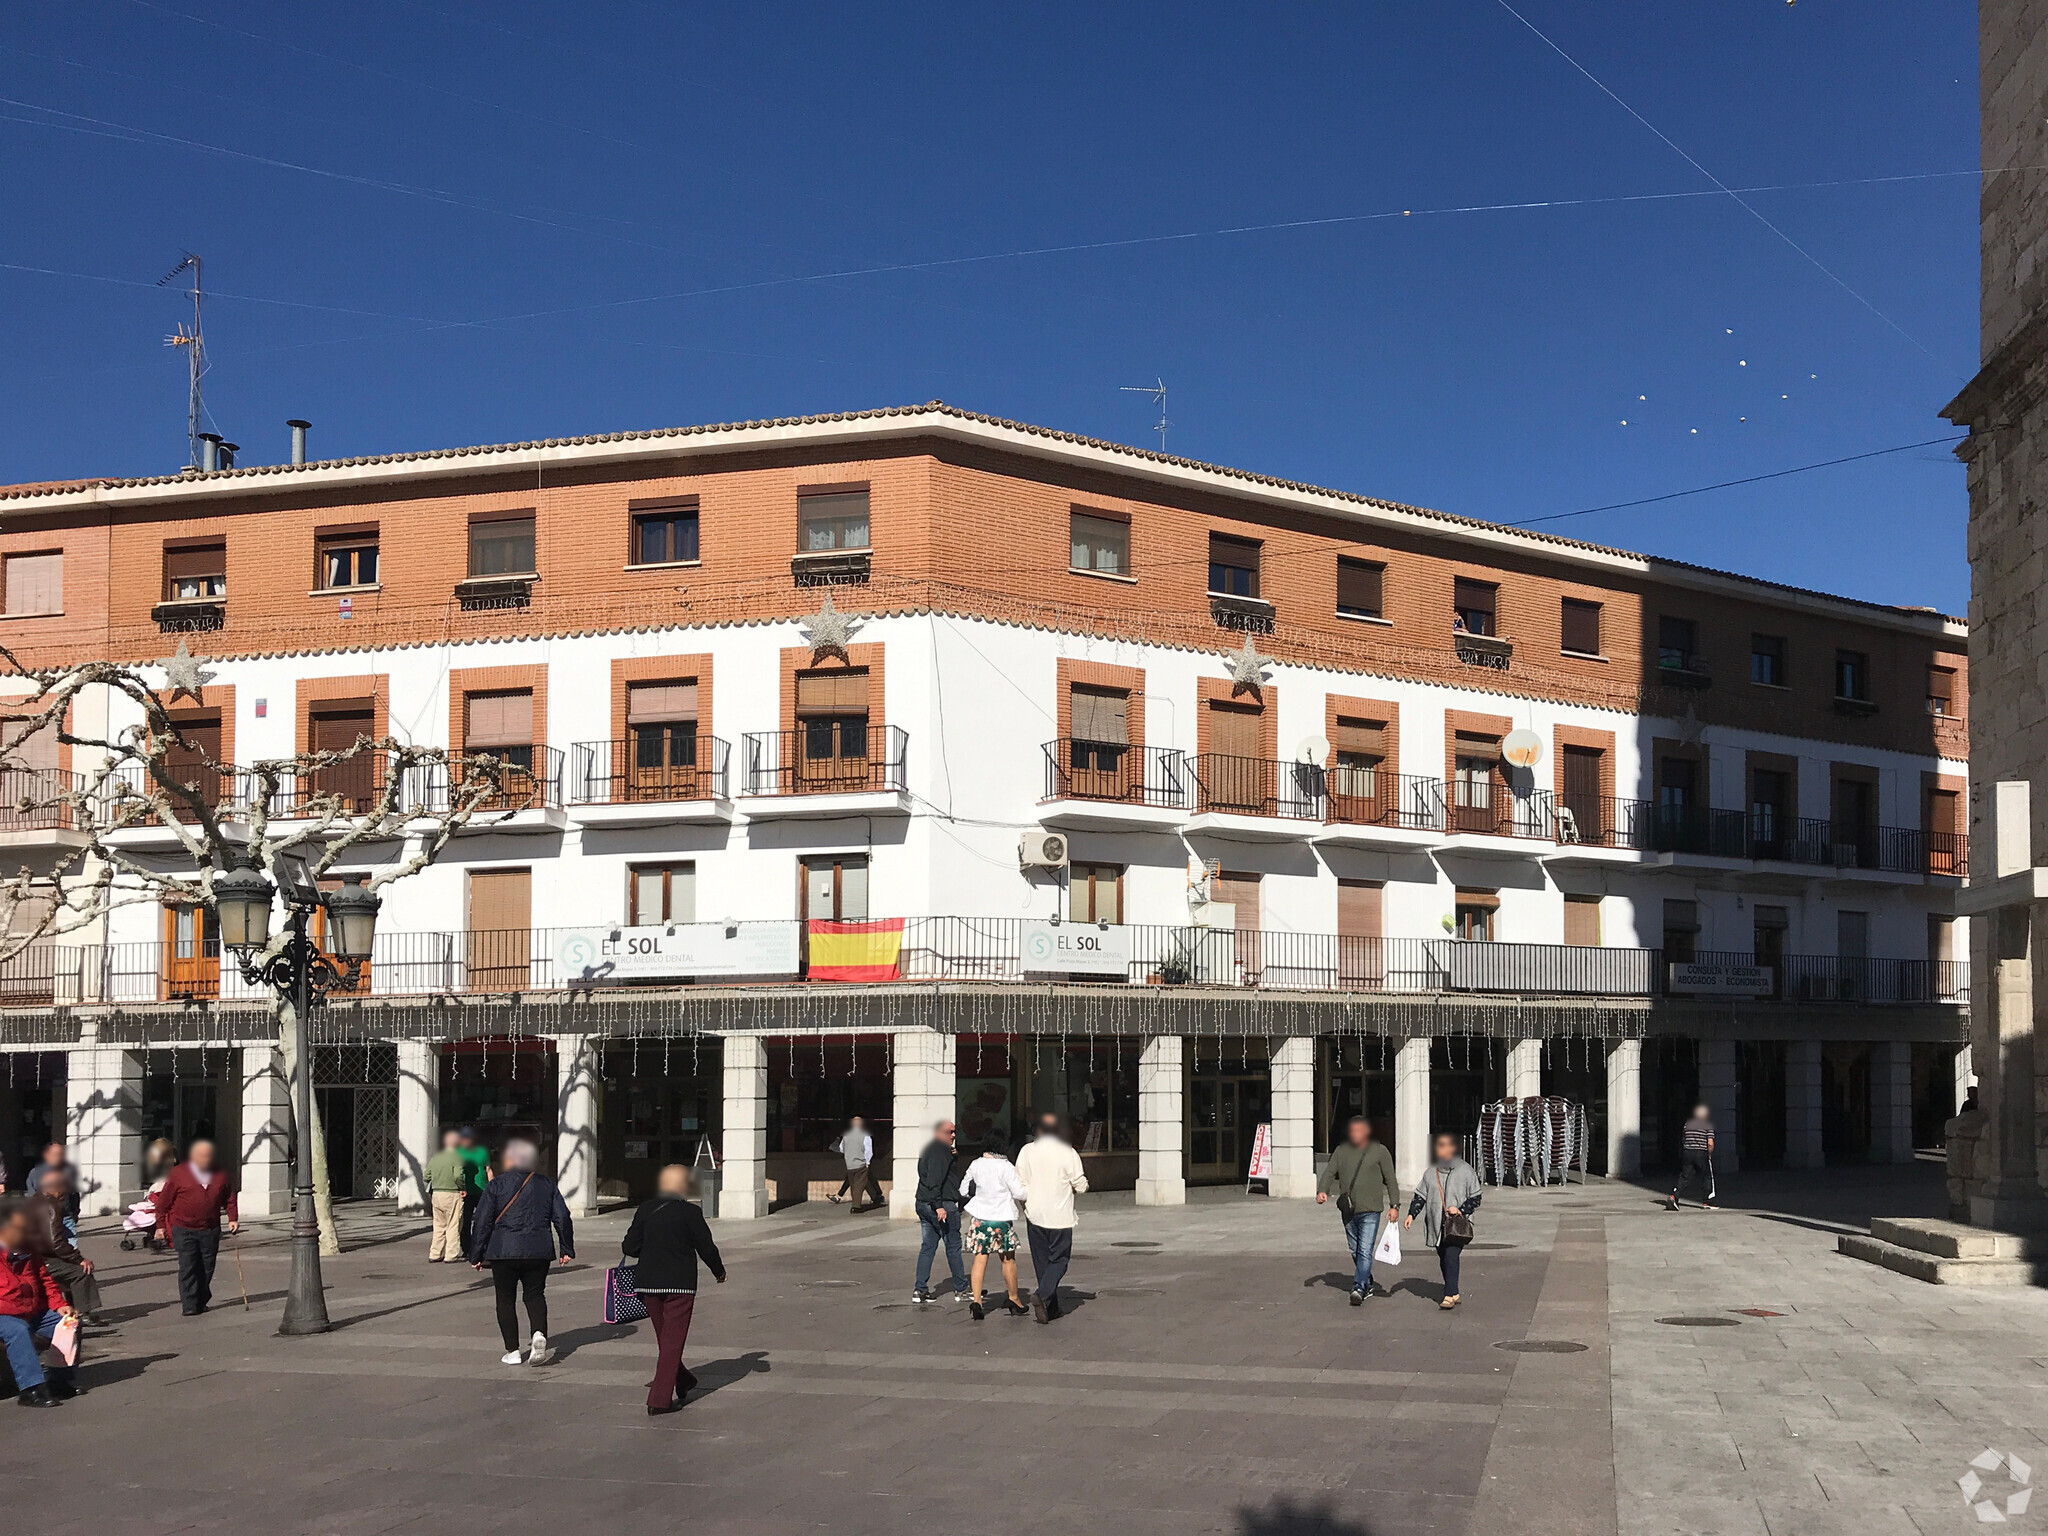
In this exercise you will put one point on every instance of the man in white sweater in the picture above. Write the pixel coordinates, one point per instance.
(1051, 1171)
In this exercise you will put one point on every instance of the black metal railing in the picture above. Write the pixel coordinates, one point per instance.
(528, 779)
(1493, 809)
(1257, 786)
(664, 767)
(1076, 769)
(1373, 797)
(1843, 979)
(38, 799)
(846, 759)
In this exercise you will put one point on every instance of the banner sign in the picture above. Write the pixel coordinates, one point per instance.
(1722, 980)
(661, 953)
(1077, 948)
(1262, 1153)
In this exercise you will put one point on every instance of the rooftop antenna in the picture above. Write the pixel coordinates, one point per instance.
(1157, 391)
(195, 350)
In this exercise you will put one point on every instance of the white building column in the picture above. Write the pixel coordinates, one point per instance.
(926, 1092)
(1525, 1069)
(1411, 1113)
(103, 1126)
(265, 1152)
(1891, 1101)
(576, 1122)
(1624, 1108)
(1293, 1068)
(1803, 1147)
(1964, 1077)
(1717, 1092)
(419, 1121)
(744, 1192)
(1162, 1121)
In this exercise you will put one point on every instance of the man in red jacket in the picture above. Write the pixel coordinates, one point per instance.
(31, 1306)
(189, 1208)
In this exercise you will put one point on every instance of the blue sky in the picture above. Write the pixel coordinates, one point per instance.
(455, 222)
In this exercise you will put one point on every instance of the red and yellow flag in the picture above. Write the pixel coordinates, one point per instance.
(857, 951)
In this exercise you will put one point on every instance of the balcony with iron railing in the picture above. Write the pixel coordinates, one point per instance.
(837, 765)
(527, 795)
(993, 950)
(1229, 786)
(1489, 808)
(1646, 826)
(38, 803)
(1111, 784)
(651, 778)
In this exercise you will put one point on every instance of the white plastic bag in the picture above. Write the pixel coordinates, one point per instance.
(1388, 1249)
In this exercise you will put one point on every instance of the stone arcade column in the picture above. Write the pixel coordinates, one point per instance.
(1803, 1147)
(1624, 1108)
(1717, 1092)
(266, 1149)
(744, 1194)
(1411, 1113)
(925, 1094)
(419, 1122)
(576, 1122)
(1525, 1069)
(1891, 1101)
(1294, 1119)
(1162, 1122)
(103, 1126)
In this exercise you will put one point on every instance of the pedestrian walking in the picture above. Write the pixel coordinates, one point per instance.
(857, 1146)
(1360, 1176)
(196, 1198)
(1445, 1202)
(476, 1157)
(31, 1307)
(517, 1221)
(1696, 1158)
(447, 1176)
(1051, 1173)
(668, 1236)
(53, 1239)
(938, 1212)
(992, 1192)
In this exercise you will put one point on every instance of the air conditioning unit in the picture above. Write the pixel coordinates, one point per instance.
(1042, 850)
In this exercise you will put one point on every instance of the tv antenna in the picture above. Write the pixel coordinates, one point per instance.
(1157, 391)
(195, 350)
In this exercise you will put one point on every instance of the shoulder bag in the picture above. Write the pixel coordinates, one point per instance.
(1457, 1226)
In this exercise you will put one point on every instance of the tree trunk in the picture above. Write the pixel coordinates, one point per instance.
(323, 1200)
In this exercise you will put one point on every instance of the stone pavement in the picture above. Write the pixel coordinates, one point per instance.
(1209, 1377)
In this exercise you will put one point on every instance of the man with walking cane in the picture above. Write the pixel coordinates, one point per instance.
(195, 1200)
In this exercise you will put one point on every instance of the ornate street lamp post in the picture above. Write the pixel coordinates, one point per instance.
(299, 971)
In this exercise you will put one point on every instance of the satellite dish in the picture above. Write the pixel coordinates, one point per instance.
(1523, 748)
(1313, 750)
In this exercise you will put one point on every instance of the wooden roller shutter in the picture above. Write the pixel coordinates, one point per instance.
(832, 693)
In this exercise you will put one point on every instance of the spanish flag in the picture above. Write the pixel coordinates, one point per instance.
(857, 951)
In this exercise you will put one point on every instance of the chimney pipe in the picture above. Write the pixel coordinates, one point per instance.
(209, 451)
(227, 454)
(299, 430)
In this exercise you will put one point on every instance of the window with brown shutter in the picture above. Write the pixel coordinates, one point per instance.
(651, 703)
(500, 724)
(1360, 588)
(1941, 681)
(192, 756)
(1095, 893)
(345, 560)
(1359, 962)
(1357, 751)
(500, 929)
(1476, 605)
(832, 693)
(501, 547)
(335, 726)
(1582, 921)
(832, 730)
(195, 572)
(661, 725)
(1101, 715)
(1581, 627)
(1233, 566)
(1582, 791)
(35, 583)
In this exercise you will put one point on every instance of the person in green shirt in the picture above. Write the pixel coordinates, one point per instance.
(447, 1180)
(1360, 1177)
(476, 1158)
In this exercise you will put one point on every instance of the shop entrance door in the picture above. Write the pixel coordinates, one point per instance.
(1227, 1113)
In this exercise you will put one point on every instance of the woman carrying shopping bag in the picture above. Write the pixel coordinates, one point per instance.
(1445, 1200)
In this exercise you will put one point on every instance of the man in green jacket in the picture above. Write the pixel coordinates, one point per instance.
(447, 1180)
(476, 1161)
(1360, 1176)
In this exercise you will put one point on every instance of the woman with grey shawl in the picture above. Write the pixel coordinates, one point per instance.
(1450, 1184)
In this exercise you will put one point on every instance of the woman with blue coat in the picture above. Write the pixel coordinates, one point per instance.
(518, 1219)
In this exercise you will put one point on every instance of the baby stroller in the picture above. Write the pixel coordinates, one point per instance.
(138, 1227)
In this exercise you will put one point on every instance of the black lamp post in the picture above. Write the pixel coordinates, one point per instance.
(300, 970)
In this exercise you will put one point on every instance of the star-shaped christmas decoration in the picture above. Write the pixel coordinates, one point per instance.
(184, 676)
(1248, 671)
(1691, 729)
(828, 631)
